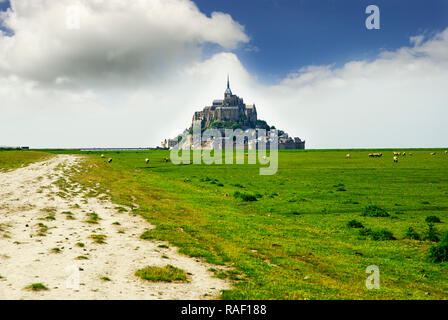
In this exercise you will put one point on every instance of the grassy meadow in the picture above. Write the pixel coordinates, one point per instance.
(11, 159)
(294, 240)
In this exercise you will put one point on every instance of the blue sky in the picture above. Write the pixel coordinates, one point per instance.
(4, 5)
(290, 34)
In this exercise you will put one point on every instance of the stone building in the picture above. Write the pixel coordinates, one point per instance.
(231, 110)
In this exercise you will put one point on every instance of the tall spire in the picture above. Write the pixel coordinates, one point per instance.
(228, 91)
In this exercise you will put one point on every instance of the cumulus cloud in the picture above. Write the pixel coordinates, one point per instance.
(82, 43)
(133, 74)
(397, 100)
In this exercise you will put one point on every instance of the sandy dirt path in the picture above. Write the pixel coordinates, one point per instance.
(36, 217)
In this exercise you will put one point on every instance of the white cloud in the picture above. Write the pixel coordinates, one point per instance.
(118, 42)
(397, 100)
(133, 75)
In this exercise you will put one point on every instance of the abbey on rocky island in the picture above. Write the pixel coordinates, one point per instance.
(233, 113)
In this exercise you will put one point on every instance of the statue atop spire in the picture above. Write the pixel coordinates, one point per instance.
(228, 91)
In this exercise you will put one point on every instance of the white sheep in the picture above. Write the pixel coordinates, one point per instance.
(102, 156)
(348, 156)
(110, 160)
(147, 160)
(395, 159)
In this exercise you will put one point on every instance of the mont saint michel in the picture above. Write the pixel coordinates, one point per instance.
(232, 113)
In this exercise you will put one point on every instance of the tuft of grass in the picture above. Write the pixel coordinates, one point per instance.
(238, 185)
(80, 244)
(81, 258)
(229, 274)
(412, 234)
(355, 224)
(98, 238)
(163, 246)
(49, 210)
(377, 235)
(374, 211)
(69, 215)
(432, 219)
(439, 253)
(42, 228)
(431, 234)
(117, 223)
(244, 196)
(92, 218)
(168, 273)
(105, 279)
(56, 250)
(36, 287)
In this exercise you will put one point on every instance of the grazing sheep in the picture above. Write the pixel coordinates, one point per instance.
(102, 156)
(110, 160)
(404, 154)
(446, 151)
(348, 156)
(410, 153)
(395, 159)
(433, 153)
(397, 154)
(147, 160)
(375, 155)
(166, 160)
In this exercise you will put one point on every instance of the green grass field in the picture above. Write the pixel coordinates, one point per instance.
(15, 159)
(293, 242)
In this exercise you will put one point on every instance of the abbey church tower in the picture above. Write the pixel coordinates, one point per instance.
(231, 112)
